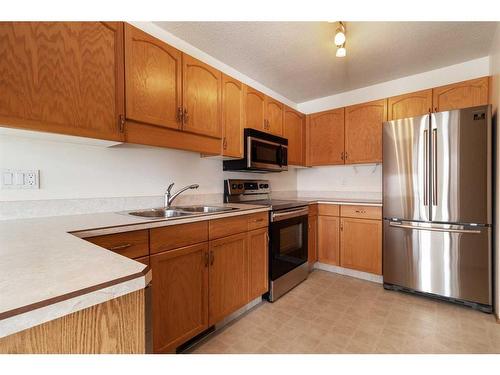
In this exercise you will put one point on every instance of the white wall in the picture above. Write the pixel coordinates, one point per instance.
(359, 178)
(438, 77)
(495, 91)
(69, 171)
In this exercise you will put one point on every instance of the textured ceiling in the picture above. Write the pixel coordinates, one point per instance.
(297, 59)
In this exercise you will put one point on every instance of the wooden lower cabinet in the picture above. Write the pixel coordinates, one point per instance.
(328, 240)
(228, 276)
(361, 245)
(180, 296)
(258, 259)
(312, 240)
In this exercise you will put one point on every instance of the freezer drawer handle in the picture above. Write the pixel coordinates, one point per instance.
(434, 229)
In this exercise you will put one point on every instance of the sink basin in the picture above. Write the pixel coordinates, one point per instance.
(205, 209)
(159, 213)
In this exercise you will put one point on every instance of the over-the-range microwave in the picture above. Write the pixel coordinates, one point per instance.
(263, 152)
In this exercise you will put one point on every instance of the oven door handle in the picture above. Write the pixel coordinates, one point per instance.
(283, 215)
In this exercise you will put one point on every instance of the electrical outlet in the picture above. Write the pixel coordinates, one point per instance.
(19, 179)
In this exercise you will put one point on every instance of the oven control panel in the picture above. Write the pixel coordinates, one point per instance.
(238, 187)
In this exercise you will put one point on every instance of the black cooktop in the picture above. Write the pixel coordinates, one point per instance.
(278, 204)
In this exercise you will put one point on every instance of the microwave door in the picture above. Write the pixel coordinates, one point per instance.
(263, 154)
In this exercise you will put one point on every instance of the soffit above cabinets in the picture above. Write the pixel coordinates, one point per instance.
(297, 59)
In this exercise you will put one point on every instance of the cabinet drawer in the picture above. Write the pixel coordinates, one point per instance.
(366, 212)
(225, 227)
(313, 210)
(328, 209)
(130, 244)
(175, 236)
(237, 224)
(256, 221)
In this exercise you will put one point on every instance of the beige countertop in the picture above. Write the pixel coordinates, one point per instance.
(46, 272)
(342, 201)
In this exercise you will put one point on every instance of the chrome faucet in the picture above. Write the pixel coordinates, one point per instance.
(169, 197)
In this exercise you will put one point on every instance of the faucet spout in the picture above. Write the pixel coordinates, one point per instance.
(169, 197)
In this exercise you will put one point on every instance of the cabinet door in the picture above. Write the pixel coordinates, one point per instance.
(62, 77)
(461, 95)
(180, 296)
(363, 132)
(361, 245)
(409, 105)
(326, 137)
(233, 117)
(312, 238)
(274, 116)
(293, 130)
(153, 80)
(202, 87)
(228, 285)
(255, 109)
(328, 240)
(258, 268)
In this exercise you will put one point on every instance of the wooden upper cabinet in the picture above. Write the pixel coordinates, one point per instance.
(258, 263)
(202, 87)
(363, 132)
(233, 117)
(409, 105)
(180, 296)
(274, 116)
(62, 77)
(255, 104)
(293, 130)
(464, 94)
(363, 255)
(153, 80)
(228, 276)
(325, 144)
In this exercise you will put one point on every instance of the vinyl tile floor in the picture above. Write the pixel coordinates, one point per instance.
(330, 313)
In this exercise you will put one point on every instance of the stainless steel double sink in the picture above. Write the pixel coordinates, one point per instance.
(158, 213)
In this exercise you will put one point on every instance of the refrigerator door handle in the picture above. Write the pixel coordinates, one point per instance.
(426, 167)
(434, 229)
(434, 167)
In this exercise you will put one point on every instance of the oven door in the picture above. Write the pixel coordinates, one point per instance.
(266, 155)
(288, 241)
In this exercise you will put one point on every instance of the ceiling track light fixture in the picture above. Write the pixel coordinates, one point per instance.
(340, 39)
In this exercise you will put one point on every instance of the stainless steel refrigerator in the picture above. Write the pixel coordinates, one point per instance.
(437, 205)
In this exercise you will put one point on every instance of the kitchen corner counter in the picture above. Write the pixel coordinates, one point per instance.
(47, 271)
(342, 201)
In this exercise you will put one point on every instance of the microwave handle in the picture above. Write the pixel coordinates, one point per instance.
(282, 156)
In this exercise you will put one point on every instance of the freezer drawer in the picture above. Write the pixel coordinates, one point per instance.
(448, 260)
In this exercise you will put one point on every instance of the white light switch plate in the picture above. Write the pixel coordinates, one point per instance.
(19, 179)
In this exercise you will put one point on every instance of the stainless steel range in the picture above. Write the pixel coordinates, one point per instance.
(287, 233)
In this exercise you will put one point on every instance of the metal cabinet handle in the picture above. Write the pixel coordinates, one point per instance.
(342, 155)
(212, 258)
(360, 211)
(120, 247)
(185, 116)
(224, 143)
(206, 258)
(434, 171)
(121, 123)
